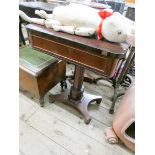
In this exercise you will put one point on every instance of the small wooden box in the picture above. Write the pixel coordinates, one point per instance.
(39, 72)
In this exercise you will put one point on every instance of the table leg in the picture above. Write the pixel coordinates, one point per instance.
(75, 95)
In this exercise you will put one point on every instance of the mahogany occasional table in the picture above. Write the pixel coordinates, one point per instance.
(99, 56)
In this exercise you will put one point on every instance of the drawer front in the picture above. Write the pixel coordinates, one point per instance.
(96, 63)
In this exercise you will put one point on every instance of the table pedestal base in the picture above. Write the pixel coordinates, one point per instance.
(80, 105)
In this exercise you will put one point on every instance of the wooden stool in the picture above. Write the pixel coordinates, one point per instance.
(39, 72)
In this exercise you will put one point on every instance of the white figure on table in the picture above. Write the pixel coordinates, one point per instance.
(85, 21)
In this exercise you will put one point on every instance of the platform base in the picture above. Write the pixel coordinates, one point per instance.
(80, 105)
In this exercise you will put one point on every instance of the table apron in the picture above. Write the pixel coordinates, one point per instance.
(100, 64)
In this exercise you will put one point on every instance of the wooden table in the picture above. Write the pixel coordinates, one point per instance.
(85, 53)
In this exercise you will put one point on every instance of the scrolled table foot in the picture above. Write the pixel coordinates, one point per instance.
(80, 105)
(87, 120)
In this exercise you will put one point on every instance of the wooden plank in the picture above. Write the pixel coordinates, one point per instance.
(105, 89)
(68, 137)
(33, 142)
(101, 88)
(72, 118)
(21, 153)
(26, 107)
(95, 129)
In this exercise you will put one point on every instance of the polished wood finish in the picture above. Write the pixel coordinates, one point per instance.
(79, 100)
(77, 89)
(38, 84)
(96, 55)
(86, 53)
(91, 45)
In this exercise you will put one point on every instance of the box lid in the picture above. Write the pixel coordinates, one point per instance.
(34, 60)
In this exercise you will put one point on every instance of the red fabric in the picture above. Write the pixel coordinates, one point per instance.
(103, 14)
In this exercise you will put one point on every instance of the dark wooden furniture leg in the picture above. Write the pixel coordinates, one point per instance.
(75, 95)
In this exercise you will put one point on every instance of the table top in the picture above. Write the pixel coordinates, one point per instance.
(92, 45)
